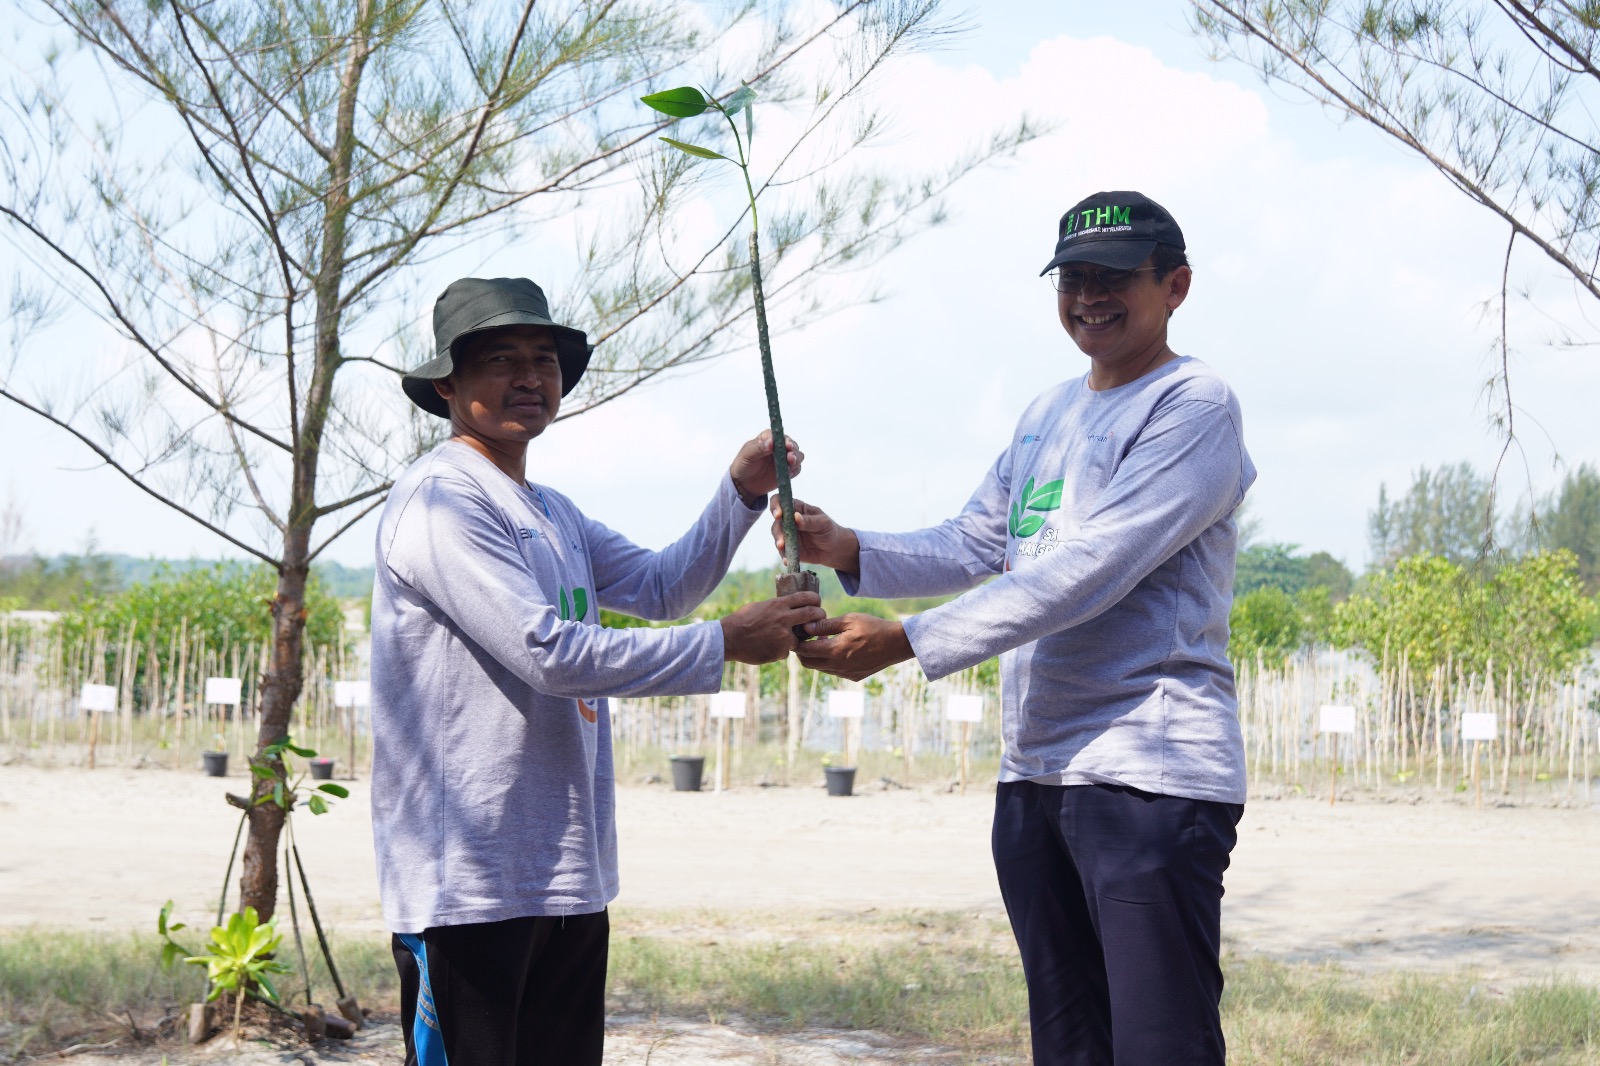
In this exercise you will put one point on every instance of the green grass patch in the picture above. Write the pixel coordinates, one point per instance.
(961, 996)
(949, 979)
(1287, 1015)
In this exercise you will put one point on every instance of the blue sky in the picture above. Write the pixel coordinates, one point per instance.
(1339, 288)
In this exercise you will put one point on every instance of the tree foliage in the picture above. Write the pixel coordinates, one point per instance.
(1526, 620)
(229, 603)
(1269, 623)
(1280, 566)
(32, 582)
(1448, 512)
(1502, 97)
(1571, 522)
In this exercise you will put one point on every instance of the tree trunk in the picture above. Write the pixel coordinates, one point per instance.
(258, 879)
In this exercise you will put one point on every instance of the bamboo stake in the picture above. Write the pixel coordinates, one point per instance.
(181, 689)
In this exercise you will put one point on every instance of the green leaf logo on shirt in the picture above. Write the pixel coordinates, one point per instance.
(1046, 497)
(574, 609)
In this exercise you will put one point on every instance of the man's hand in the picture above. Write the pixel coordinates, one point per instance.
(822, 540)
(855, 646)
(753, 472)
(764, 632)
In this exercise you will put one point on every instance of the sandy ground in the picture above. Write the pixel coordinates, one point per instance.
(630, 1041)
(1436, 884)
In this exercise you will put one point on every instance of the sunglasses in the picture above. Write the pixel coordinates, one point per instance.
(1073, 279)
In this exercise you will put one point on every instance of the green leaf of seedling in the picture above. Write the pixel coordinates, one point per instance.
(1030, 525)
(175, 926)
(267, 987)
(261, 938)
(277, 794)
(683, 102)
(695, 150)
(334, 790)
(261, 771)
(317, 804)
(742, 98)
(1048, 498)
(161, 919)
(304, 753)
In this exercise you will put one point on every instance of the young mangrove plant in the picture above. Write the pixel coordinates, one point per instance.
(240, 962)
(688, 102)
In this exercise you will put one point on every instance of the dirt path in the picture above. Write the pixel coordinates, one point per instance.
(1435, 884)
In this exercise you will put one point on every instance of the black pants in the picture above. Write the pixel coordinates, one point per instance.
(1115, 897)
(522, 992)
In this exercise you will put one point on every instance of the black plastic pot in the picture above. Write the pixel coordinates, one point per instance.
(687, 770)
(216, 763)
(322, 769)
(841, 780)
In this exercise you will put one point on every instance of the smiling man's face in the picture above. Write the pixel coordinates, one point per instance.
(1125, 328)
(506, 388)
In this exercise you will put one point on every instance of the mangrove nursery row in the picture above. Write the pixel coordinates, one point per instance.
(1495, 732)
(1444, 676)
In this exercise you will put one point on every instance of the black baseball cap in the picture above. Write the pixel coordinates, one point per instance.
(472, 305)
(1113, 229)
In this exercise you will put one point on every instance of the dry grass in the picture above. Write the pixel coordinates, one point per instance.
(948, 979)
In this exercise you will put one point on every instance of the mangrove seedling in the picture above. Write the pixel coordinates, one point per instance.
(688, 102)
(240, 962)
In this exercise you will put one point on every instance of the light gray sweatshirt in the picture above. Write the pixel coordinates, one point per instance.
(1110, 522)
(492, 789)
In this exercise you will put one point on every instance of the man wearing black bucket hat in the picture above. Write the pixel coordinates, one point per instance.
(492, 790)
(1107, 528)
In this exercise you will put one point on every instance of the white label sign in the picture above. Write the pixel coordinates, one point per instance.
(847, 704)
(352, 693)
(99, 698)
(963, 709)
(1478, 727)
(223, 690)
(728, 705)
(1336, 719)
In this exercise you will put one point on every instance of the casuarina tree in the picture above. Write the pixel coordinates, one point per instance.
(250, 199)
(1501, 97)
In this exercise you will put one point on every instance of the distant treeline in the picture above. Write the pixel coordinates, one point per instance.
(1454, 579)
(1286, 599)
(39, 583)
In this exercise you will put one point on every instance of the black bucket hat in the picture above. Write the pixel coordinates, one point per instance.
(1113, 229)
(473, 305)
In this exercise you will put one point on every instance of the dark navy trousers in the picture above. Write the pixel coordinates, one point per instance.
(522, 992)
(1115, 897)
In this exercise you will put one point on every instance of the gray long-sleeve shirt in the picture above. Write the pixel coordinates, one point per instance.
(1110, 522)
(492, 788)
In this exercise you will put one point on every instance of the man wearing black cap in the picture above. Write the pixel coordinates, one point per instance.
(1107, 528)
(492, 790)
